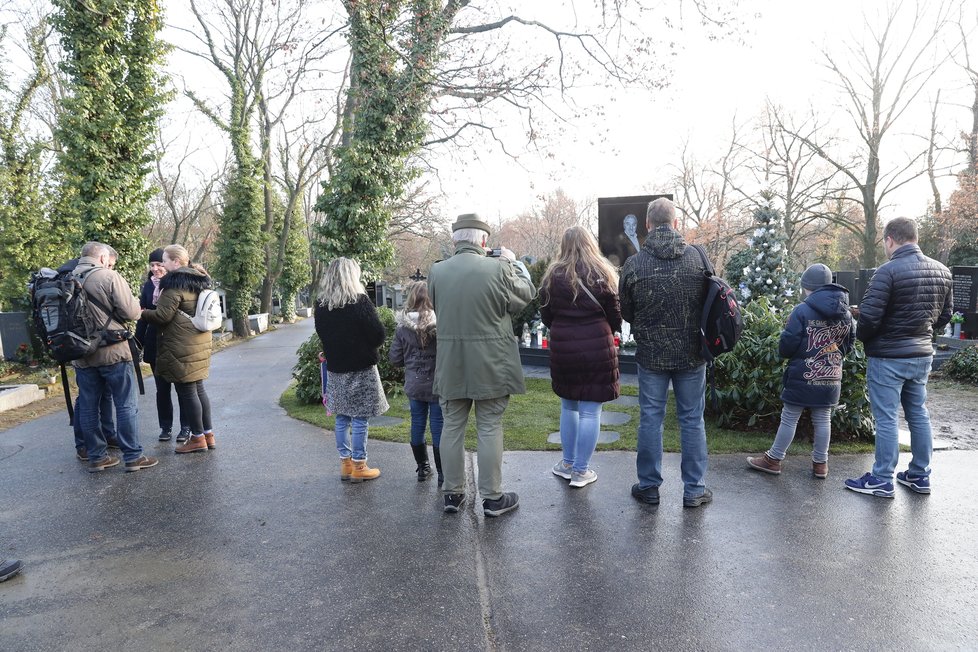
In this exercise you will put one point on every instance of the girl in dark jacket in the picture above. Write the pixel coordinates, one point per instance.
(579, 304)
(414, 347)
(183, 355)
(351, 334)
(146, 335)
(818, 335)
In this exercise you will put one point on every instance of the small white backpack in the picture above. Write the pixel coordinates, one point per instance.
(208, 315)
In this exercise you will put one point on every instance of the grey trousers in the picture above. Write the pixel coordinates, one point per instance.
(489, 429)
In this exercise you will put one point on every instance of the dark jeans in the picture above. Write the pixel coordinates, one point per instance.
(105, 416)
(421, 411)
(119, 380)
(195, 407)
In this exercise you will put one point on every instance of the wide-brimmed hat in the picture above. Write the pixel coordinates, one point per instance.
(470, 221)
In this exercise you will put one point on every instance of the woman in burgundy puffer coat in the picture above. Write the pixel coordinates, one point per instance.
(579, 304)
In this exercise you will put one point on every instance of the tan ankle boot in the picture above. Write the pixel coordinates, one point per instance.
(194, 444)
(346, 468)
(209, 438)
(363, 472)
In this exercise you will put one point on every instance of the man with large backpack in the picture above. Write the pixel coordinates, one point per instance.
(109, 368)
(662, 292)
(106, 411)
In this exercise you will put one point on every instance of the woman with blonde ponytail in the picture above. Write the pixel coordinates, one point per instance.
(184, 353)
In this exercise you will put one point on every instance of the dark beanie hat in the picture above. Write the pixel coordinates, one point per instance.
(470, 221)
(156, 256)
(816, 276)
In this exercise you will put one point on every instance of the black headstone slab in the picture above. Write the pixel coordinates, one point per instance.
(965, 281)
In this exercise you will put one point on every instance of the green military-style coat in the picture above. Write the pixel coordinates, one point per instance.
(183, 353)
(475, 298)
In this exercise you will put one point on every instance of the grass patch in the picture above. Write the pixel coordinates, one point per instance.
(531, 417)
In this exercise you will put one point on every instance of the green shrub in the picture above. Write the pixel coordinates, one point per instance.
(392, 377)
(962, 366)
(307, 372)
(748, 381)
(531, 313)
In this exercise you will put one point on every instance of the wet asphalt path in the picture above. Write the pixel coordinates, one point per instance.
(259, 546)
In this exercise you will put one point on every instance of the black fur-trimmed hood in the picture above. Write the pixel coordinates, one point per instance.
(185, 278)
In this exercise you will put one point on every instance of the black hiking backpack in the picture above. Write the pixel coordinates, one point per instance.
(65, 323)
(62, 315)
(721, 324)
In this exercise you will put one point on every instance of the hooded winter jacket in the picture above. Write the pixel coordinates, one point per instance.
(908, 298)
(583, 357)
(818, 335)
(662, 291)
(183, 353)
(418, 362)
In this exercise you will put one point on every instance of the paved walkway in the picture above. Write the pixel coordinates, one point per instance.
(259, 546)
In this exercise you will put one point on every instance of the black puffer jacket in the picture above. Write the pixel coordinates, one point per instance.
(662, 292)
(908, 297)
(583, 357)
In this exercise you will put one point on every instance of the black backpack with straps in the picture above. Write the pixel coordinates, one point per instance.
(64, 321)
(721, 324)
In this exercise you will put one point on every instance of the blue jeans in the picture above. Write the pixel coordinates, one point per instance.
(421, 413)
(689, 386)
(891, 382)
(118, 380)
(351, 437)
(580, 422)
(821, 422)
(106, 420)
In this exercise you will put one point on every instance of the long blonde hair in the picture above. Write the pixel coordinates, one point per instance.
(340, 284)
(578, 248)
(418, 301)
(181, 255)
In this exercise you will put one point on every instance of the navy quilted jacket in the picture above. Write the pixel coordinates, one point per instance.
(907, 299)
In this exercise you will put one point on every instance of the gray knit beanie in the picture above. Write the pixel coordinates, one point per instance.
(816, 276)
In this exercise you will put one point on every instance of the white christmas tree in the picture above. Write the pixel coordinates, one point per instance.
(767, 272)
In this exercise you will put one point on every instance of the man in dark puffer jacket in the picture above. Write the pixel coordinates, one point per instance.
(908, 298)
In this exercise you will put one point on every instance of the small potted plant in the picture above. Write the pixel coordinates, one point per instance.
(957, 319)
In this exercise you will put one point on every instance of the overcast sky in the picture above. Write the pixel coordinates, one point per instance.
(777, 56)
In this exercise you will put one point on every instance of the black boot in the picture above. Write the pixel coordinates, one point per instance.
(437, 455)
(421, 457)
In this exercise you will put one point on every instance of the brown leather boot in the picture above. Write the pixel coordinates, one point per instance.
(766, 464)
(820, 469)
(346, 468)
(209, 438)
(363, 472)
(194, 444)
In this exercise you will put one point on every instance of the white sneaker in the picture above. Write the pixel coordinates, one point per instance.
(562, 470)
(583, 479)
